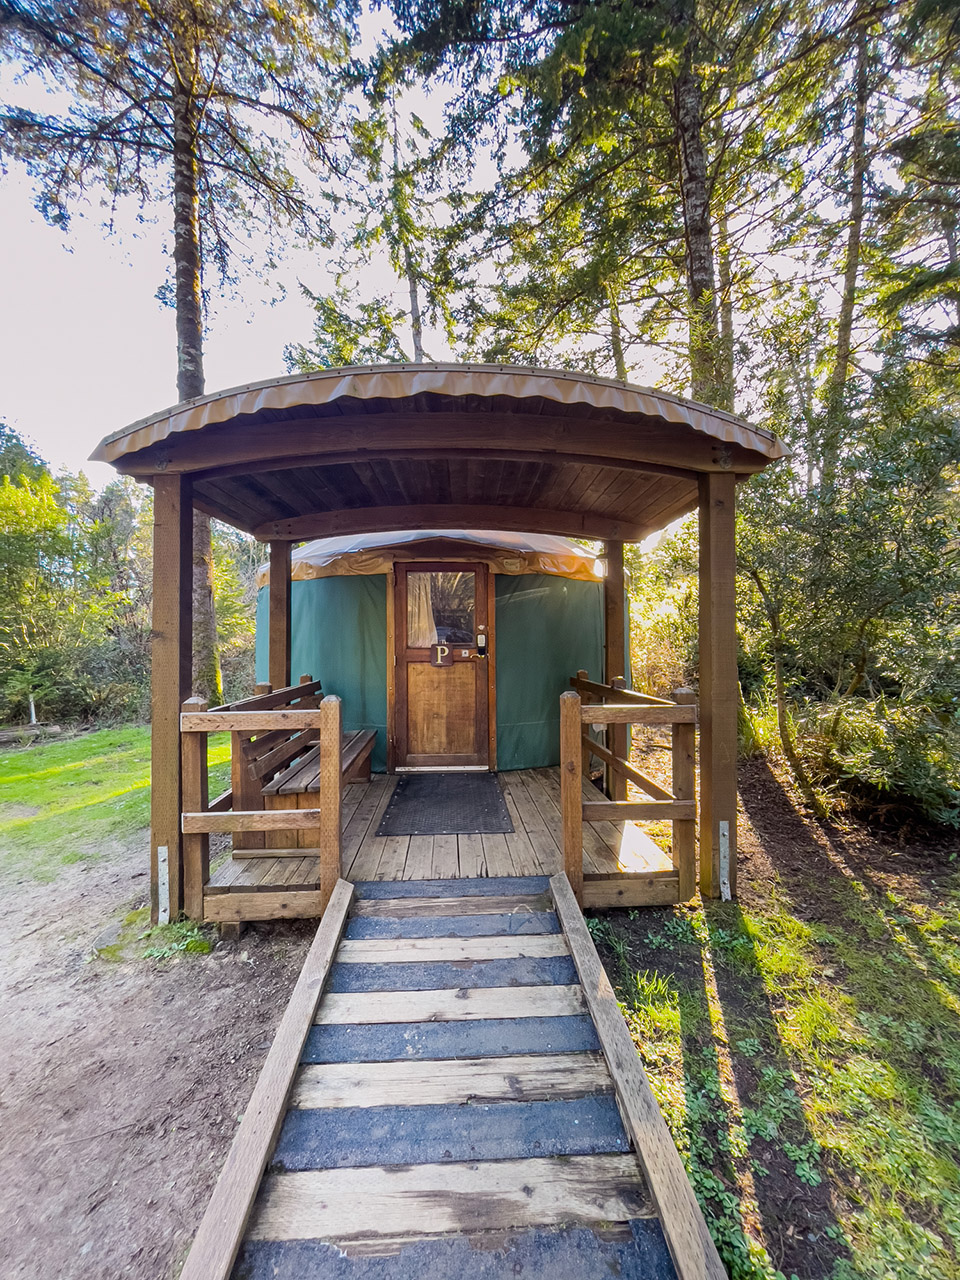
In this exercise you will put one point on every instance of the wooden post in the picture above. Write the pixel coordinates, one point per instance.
(618, 735)
(684, 788)
(279, 647)
(571, 800)
(585, 753)
(171, 653)
(196, 847)
(718, 686)
(331, 795)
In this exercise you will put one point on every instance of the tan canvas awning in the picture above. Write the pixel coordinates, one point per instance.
(506, 553)
(395, 447)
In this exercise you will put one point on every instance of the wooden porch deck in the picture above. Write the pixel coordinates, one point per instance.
(622, 865)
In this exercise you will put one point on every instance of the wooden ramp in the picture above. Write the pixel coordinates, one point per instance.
(452, 1092)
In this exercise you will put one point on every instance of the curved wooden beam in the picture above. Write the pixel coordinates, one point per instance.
(328, 524)
(486, 453)
(667, 447)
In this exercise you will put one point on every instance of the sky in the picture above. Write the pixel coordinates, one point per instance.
(86, 347)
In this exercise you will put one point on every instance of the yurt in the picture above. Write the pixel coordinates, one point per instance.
(453, 645)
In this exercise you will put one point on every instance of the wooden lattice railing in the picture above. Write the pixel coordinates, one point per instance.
(592, 704)
(263, 728)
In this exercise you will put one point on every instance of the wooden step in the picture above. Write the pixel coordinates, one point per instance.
(340, 1205)
(467, 1004)
(525, 1078)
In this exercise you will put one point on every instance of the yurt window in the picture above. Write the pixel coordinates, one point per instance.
(441, 608)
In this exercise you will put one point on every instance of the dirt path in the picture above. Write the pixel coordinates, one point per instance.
(120, 1082)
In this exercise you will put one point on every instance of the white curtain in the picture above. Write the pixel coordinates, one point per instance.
(421, 628)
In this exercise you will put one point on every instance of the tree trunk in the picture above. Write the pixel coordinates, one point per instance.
(416, 323)
(726, 317)
(836, 388)
(949, 224)
(189, 314)
(706, 378)
(616, 337)
(783, 717)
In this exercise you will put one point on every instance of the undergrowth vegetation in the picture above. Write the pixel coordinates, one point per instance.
(807, 1059)
(848, 620)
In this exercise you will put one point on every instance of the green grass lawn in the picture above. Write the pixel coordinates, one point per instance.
(804, 1045)
(68, 800)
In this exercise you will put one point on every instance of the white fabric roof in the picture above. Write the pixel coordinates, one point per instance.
(323, 551)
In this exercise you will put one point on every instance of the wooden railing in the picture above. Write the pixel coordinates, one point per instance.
(273, 725)
(254, 758)
(610, 705)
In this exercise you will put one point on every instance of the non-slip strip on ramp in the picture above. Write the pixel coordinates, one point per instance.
(430, 1128)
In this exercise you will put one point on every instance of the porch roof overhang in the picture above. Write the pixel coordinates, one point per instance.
(442, 446)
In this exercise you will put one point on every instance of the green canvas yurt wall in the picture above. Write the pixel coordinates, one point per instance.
(547, 628)
(338, 635)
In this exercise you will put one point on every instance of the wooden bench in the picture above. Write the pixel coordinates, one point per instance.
(288, 776)
(281, 769)
(296, 787)
(304, 773)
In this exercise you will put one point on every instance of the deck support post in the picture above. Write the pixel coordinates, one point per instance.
(331, 795)
(195, 792)
(571, 798)
(279, 645)
(615, 646)
(171, 653)
(684, 753)
(718, 686)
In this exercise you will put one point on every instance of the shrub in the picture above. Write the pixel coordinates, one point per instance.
(896, 761)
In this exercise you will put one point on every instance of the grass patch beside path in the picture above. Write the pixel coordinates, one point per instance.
(805, 1049)
(67, 801)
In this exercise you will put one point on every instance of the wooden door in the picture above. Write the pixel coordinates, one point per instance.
(443, 648)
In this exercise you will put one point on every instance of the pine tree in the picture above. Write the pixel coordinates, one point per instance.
(195, 102)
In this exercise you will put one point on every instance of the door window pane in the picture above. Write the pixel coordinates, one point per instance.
(440, 609)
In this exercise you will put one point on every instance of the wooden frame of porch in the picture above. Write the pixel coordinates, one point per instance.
(403, 447)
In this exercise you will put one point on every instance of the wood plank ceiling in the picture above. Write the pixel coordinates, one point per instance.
(358, 465)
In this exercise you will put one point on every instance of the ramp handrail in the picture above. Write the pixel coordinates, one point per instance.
(199, 818)
(623, 707)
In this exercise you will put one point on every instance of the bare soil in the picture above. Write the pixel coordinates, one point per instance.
(121, 1083)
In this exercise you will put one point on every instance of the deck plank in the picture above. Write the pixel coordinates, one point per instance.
(345, 1204)
(446, 860)
(523, 1078)
(426, 950)
(365, 818)
(453, 926)
(547, 843)
(548, 803)
(492, 904)
(468, 1004)
(419, 863)
(393, 856)
(518, 842)
(472, 860)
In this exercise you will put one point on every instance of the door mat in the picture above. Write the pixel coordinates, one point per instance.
(446, 804)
